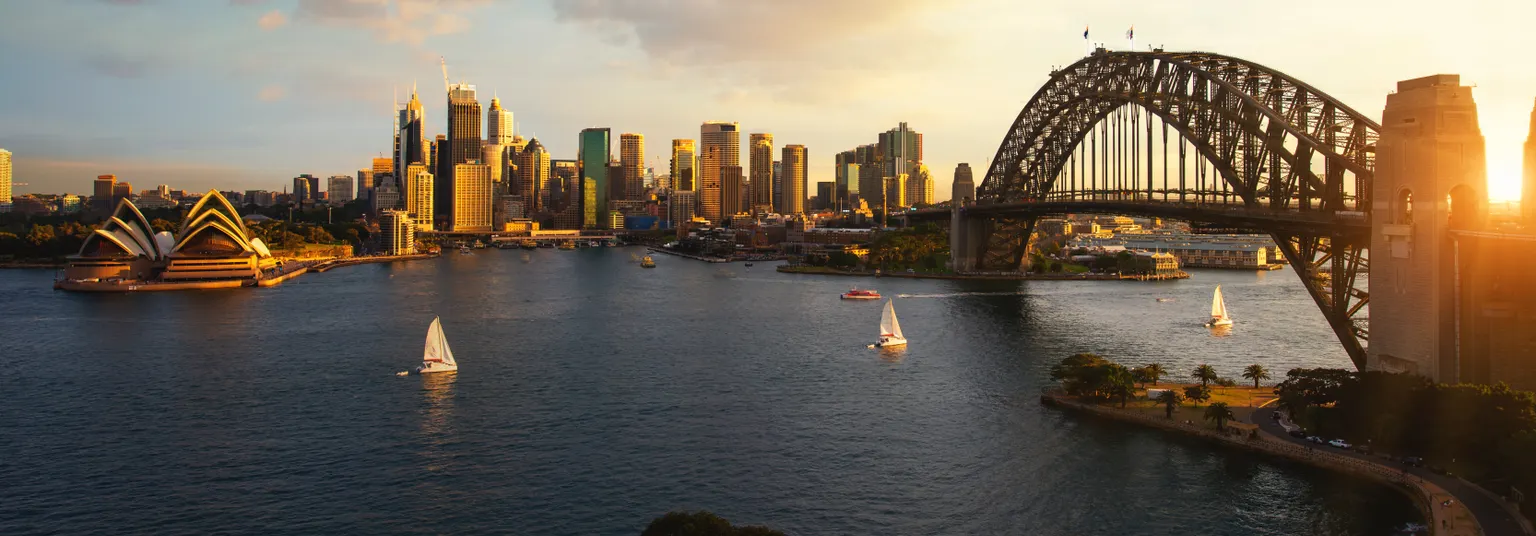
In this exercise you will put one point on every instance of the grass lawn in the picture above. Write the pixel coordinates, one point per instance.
(1242, 400)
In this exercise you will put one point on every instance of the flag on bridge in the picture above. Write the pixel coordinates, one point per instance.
(1085, 32)
(1131, 33)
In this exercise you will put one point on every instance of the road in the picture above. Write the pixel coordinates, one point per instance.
(1494, 519)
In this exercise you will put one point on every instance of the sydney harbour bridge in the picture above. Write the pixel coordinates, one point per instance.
(1191, 136)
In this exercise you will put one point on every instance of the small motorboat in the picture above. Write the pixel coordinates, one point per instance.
(890, 329)
(1163, 300)
(403, 373)
(647, 262)
(749, 265)
(857, 294)
(437, 357)
(464, 250)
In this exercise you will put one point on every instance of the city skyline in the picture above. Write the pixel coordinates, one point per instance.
(325, 121)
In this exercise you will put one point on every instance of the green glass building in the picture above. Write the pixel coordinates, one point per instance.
(593, 155)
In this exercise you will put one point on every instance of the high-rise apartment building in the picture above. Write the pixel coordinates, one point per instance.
(682, 205)
(731, 192)
(301, 190)
(364, 184)
(760, 159)
(920, 187)
(895, 192)
(101, 195)
(463, 146)
(793, 180)
(473, 197)
(122, 190)
(1528, 189)
(6, 176)
(533, 177)
(617, 189)
(417, 192)
(632, 158)
(843, 183)
(412, 140)
(684, 165)
(564, 189)
(339, 189)
(720, 141)
(778, 184)
(963, 192)
(498, 124)
(397, 233)
(594, 152)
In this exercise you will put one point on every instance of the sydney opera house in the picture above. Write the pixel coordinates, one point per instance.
(212, 244)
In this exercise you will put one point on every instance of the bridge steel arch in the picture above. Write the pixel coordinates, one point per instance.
(1278, 146)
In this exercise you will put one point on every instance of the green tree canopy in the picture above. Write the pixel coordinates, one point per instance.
(1256, 372)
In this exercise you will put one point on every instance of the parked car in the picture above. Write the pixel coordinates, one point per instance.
(1298, 434)
(1339, 444)
(1315, 439)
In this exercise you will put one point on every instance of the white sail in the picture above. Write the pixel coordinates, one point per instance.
(437, 345)
(888, 324)
(1218, 305)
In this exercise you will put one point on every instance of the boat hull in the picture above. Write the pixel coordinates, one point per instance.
(1218, 323)
(436, 367)
(891, 342)
(847, 297)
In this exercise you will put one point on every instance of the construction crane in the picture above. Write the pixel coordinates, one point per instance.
(444, 62)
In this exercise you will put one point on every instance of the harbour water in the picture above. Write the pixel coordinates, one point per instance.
(594, 395)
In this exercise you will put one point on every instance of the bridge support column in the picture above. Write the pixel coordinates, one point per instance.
(967, 239)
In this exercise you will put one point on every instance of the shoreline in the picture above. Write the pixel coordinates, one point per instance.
(1421, 493)
(271, 281)
(803, 270)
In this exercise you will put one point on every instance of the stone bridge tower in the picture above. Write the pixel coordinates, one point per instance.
(1430, 182)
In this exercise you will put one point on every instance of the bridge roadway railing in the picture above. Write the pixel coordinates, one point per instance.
(1234, 212)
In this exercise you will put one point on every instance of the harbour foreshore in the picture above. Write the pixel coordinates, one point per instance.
(664, 251)
(1453, 518)
(273, 278)
(995, 276)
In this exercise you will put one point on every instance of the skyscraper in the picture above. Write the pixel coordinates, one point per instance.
(398, 233)
(964, 190)
(793, 180)
(463, 146)
(778, 184)
(474, 195)
(339, 189)
(533, 177)
(101, 196)
(594, 152)
(730, 192)
(617, 188)
(1528, 190)
(842, 181)
(684, 165)
(417, 191)
(5, 176)
(871, 184)
(413, 148)
(498, 124)
(632, 158)
(720, 141)
(760, 159)
(919, 189)
(301, 190)
(364, 184)
(902, 149)
(826, 191)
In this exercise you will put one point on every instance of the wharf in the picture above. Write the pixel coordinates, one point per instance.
(979, 276)
(664, 251)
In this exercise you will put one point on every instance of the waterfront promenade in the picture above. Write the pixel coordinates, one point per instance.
(976, 276)
(1451, 506)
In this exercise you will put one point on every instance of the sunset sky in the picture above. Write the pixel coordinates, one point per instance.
(242, 94)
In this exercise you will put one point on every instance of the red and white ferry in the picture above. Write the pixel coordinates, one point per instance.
(857, 294)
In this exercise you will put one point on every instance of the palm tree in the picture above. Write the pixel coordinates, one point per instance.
(1220, 413)
(1256, 372)
(1154, 371)
(1206, 374)
(1169, 399)
(1121, 384)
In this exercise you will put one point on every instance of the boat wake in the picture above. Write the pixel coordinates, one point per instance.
(961, 294)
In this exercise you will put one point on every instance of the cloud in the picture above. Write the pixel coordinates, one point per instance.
(124, 2)
(117, 66)
(410, 21)
(271, 92)
(247, 2)
(794, 51)
(272, 20)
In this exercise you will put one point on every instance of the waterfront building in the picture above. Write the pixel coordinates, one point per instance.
(6, 176)
(533, 168)
(463, 145)
(340, 189)
(793, 178)
(1528, 190)
(760, 159)
(417, 195)
(509, 207)
(125, 246)
(730, 192)
(212, 244)
(472, 204)
(963, 191)
(397, 233)
(684, 162)
(720, 142)
(632, 161)
(411, 136)
(594, 152)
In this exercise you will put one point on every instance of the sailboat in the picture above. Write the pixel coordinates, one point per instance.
(890, 329)
(1219, 316)
(437, 357)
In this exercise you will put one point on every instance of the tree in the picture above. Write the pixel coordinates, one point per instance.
(1121, 383)
(1220, 413)
(701, 523)
(1154, 371)
(1170, 399)
(1256, 372)
(1140, 374)
(1197, 393)
(1083, 374)
(1206, 374)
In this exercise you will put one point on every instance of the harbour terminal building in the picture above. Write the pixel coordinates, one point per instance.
(212, 244)
(1242, 252)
